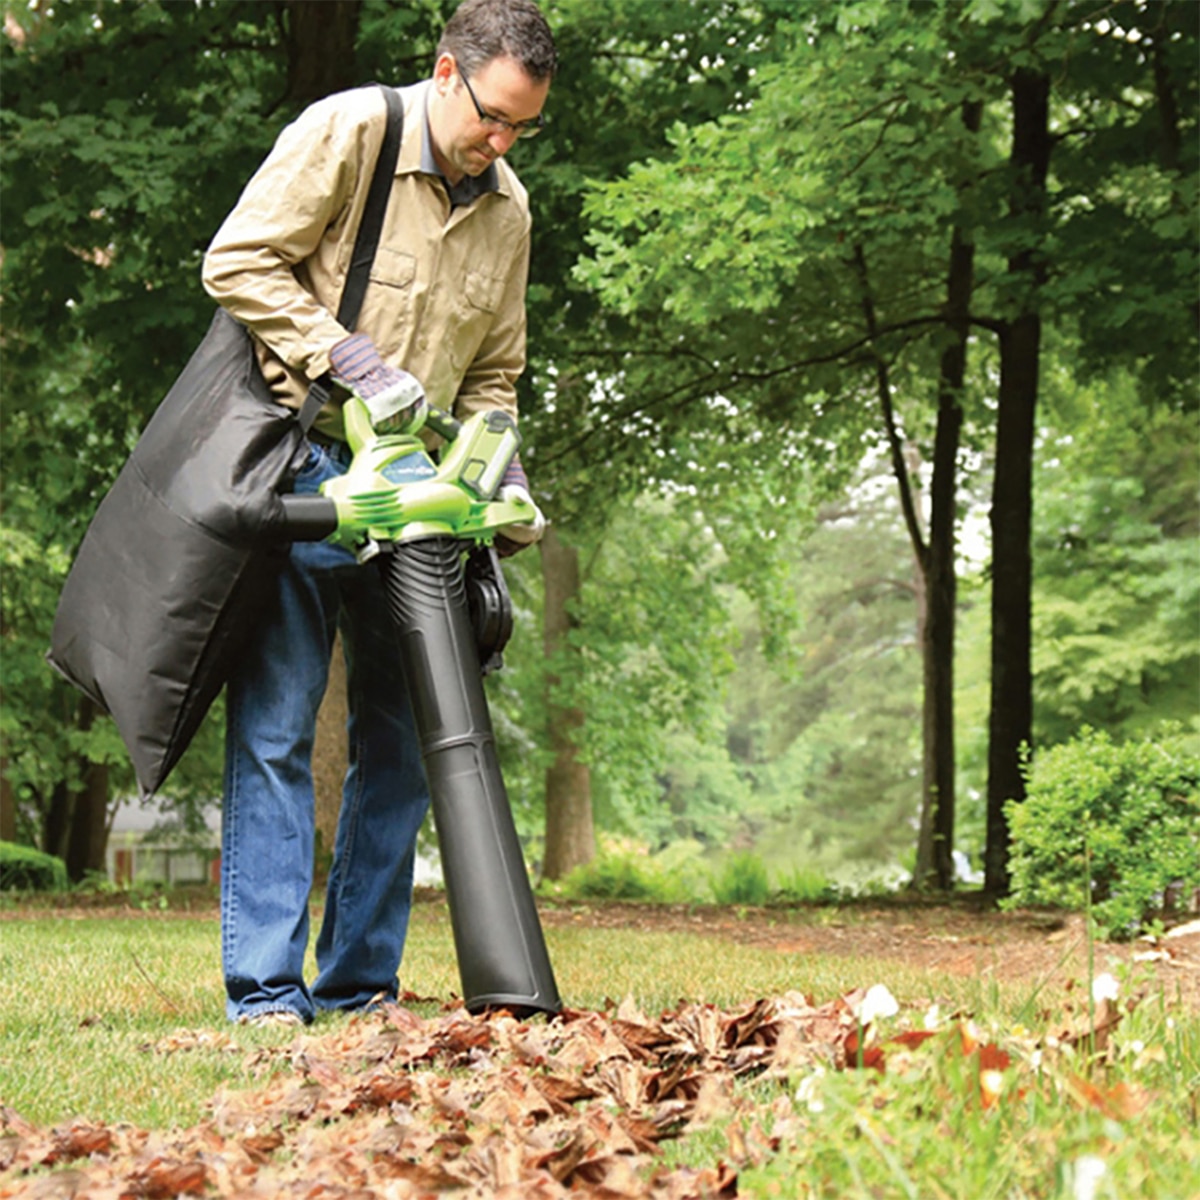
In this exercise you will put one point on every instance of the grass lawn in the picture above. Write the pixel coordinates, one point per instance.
(119, 1017)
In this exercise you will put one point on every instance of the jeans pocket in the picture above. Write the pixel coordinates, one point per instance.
(315, 470)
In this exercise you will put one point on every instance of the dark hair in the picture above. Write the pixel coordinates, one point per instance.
(481, 30)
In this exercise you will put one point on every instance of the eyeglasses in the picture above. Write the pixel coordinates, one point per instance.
(523, 129)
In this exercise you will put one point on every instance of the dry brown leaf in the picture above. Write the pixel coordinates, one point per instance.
(78, 1140)
(164, 1177)
(562, 1091)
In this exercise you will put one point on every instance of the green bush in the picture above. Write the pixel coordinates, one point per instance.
(22, 868)
(802, 885)
(626, 870)
(1124, 816)
(742, 879)
(612, 877)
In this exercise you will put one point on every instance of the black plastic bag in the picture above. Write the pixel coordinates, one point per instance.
(180, 556)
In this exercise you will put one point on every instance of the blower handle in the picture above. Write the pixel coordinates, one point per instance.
(442, 423)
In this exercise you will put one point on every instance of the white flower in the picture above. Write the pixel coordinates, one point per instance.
(878, 1002)
(808, 1093)
(1085, 1176)
(933, 1019)
(1105, 987)
(991, 1084)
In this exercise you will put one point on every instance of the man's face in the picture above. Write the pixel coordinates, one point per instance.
(464, 143)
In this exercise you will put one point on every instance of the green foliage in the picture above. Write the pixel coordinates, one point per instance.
(745, 252)
(827, 735)
(612, 877)
(626, 870)
(685, 873)
(802, 885)
(1117, 563)
(741, 879)
(128, 131)
(22, 868)
(653, 637)
(47, 734)
(705, 791)
(1109, 826)
(515, 700)
(1116, 573)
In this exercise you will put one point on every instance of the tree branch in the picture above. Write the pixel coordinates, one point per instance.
(715, 379)
(884, 388)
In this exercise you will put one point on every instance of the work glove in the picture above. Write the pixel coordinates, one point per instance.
(511, 538)
(395, 399)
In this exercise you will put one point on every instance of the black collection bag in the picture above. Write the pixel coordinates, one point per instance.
(183, 551)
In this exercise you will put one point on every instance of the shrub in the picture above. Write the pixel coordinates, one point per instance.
(22, 868)
(742, 879)
(1123, 819)
(625, 869)
(802, 885)
(612, 877)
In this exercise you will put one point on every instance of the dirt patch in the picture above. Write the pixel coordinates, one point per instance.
(941, 939)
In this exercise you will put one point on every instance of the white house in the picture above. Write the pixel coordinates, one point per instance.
(146, 845)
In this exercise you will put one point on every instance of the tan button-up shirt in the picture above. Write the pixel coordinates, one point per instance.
(446, 298)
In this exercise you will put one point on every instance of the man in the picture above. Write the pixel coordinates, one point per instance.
(443, 317)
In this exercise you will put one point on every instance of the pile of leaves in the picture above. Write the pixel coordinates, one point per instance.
(392, 1104)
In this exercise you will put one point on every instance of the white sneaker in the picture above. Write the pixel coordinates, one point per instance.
(279, 1016)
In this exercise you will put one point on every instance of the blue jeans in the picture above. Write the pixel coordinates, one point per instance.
(268, 821)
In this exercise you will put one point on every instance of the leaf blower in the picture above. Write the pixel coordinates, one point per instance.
(431, 527)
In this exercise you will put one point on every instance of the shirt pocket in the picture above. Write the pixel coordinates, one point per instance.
(482, 291)
(393, 268)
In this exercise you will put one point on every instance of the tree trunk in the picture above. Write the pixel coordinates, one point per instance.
(570, 837)
(320, 39)
(938, 649)
(89, 825)
(87, 835)
(8, 806)
(935, 844)
(57, 825)
(1010, 720)
(329, 760)
(935, 561)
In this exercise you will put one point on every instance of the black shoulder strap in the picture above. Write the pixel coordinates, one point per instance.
(365, 244)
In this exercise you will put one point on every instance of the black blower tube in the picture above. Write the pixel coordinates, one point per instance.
(502, 958)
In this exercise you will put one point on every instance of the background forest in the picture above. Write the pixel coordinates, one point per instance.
(862, 400)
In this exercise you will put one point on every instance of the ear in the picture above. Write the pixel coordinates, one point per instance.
(444, 71)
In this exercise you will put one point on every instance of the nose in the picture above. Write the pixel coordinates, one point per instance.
(502, 140)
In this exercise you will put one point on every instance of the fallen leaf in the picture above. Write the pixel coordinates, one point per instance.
(78, 1140)
(161, 1178)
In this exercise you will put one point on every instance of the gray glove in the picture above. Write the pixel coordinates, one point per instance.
(395, 399)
